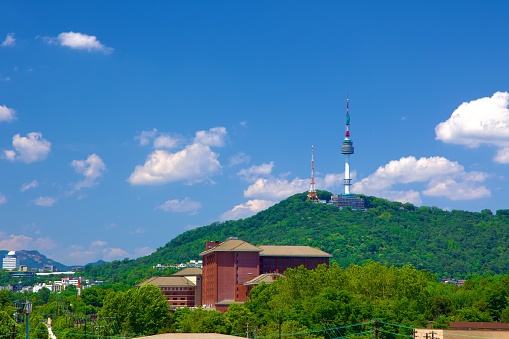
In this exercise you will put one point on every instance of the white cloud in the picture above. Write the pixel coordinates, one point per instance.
(238, 159)
(181, 206)
(481, 121)
(139, 230)
(275, 189)
(7, 114)
(3, 199)
(28, 149)
(410, 196)
(146, 136)
(213, 137)
(44, 201)
(195, 163)
(444, 178)
(29, 185)
(247, 209)
(502, 155)
(143, 251)
(23, 242)
(80, 41)
(9, 40)
(92, 168)
(98, 243)
(114, 254)
(166, 141)
(254, 172)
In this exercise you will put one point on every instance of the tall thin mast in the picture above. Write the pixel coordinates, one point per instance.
(312, 191)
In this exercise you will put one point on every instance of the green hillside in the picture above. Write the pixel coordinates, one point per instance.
(448, 243)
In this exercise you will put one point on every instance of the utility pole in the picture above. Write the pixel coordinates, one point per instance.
(376, 330)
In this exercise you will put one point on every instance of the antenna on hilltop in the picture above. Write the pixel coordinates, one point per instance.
(312, 191)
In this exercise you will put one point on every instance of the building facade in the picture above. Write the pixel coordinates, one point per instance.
(10, 262)
(229, 265)
(182, 289)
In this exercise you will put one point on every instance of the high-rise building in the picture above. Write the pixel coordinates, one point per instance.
(10, 262)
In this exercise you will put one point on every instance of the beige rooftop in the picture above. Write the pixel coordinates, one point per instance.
(232, 245)
(168, 281)
(189, 271)
(267, 278)
(189, 336)
(293, 251)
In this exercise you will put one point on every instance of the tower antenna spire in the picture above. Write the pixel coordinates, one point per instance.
(347, 149)
(312, 191)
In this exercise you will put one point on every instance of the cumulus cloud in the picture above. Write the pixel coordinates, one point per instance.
(98, 243)
(275, 188)
(23, 242)
(480, 121)
(92, 168)
(44, 201)
(193, 164)
(3, 199)
(252, 173)
(238, 159)
(28, 149)
(444, 178)
(9, 40)
(181, 206)
(7, 114)
(29, 185)
(143, 251)
(166, 141)
(213, 137)
(247, 209)
(114, 254)
(145, 137)
(79, 41)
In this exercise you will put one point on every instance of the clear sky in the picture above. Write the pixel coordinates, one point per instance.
(124, 124)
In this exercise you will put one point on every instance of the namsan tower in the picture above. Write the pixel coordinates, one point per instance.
(347, 199)
(347, 149)
(312, 191)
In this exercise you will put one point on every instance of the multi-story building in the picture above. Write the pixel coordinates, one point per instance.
(182, 289)
(10, 262)
(229, 265)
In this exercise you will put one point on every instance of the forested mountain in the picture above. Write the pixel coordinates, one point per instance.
(454, 243)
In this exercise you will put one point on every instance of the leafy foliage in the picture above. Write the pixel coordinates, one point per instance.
(454, 243)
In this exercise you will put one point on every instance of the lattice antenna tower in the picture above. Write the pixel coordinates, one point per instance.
(312, 190)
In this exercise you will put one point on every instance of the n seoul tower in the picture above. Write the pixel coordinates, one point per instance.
(347, 149)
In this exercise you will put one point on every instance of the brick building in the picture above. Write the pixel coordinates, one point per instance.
(227, 266)
(182, 289)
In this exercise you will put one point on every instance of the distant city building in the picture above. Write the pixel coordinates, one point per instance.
(230, 268)
(10, 262)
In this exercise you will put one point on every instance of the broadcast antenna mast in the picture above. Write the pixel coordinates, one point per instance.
(312, 191)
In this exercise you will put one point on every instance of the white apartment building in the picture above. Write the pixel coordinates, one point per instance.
(10, 262)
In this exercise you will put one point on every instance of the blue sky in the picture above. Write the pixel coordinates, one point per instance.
(122, 126)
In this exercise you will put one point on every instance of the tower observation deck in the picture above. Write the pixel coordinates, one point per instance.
(347, 198)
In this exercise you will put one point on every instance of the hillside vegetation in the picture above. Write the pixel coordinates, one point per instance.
(454, 243)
